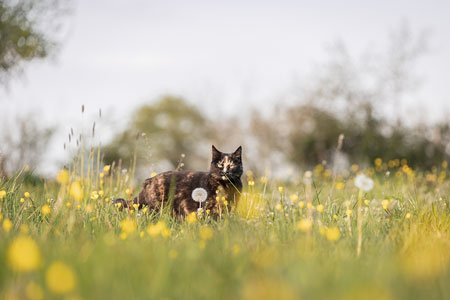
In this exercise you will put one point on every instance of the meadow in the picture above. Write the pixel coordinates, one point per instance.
(290, 238)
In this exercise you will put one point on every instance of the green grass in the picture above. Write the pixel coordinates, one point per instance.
(256, 252)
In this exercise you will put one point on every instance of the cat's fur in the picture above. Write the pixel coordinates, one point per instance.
(174, 188)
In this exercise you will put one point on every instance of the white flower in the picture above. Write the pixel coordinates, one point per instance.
(199, 195)
(364, 183)
(307, 177)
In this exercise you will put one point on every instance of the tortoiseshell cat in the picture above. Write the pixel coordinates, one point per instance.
(225, 174)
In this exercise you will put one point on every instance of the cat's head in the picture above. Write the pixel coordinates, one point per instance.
(227, 164)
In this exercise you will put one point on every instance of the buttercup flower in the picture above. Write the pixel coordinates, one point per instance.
(63, 176)
(60, 278)
(23, 254)
(76, 191)
(333, 234)
(385, 204)
(191, 218)
(46, 210)
(128, 226)
(319, 208)
(305, 225)
(206, 233)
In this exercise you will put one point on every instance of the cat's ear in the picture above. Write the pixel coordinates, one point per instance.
(238, 152)
(216, 154)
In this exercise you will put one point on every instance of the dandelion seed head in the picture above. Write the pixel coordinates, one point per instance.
(199, 195)
(364, 183)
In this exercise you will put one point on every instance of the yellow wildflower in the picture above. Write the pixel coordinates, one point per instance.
(46, 210)
(294, 198)
(166, 232)
(76, 192)
(7, 225)
(309, 205)
(340, 185)
(408, 215)
(60, 278)
(335, 217)
(333, 234)
(366, 202)
(106, 169)
(385, 204)
(63, 176)
(191, 218)
(128, 226)
(2, 194)
(301, 204)
(23, 254)
(319, 208)
(278, 206)
(322, 230)
(27, 195)
(206, 233)
(68, 204)
(153, 174)
(305, 225)
(22, 200)
(155, 229)
(281, 189)
(349, 212)
(378, 162)
(251, 183)
(94, 195)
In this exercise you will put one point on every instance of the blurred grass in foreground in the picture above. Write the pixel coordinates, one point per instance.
(64, 239)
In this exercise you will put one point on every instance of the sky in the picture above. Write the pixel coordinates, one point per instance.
(224, 56)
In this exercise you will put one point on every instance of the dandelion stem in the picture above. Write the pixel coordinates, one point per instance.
(358, 249)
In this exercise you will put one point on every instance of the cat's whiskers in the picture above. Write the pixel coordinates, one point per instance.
(225, 175)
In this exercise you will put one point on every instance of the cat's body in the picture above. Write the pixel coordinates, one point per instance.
(174, 188)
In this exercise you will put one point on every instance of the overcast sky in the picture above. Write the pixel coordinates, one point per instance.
(222, 55)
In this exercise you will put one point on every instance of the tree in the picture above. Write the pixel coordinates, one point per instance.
(28, 31)
(162, 132)
(24, 146)
(362, 100)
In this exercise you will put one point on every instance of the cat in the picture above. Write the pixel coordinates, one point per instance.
(222, 185)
